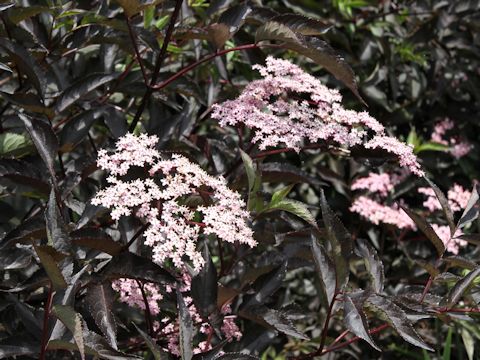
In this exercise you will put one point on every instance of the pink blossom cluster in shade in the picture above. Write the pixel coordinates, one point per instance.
(372, 206)
(457, 198)
(168, 328)
(159, 200)
(457, 146)
(289, 107)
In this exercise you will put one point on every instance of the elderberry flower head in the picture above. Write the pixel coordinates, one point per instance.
(160, 200)
(289, 107)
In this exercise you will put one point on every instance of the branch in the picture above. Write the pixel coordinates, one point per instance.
(161, 57)
(48, 305)
(133, 37)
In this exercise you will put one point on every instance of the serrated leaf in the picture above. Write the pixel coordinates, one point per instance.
(49, 258)
(236, 356)
(95, 238)
(294, 207)
(447, 211)
(355, 320)
(73, 322)
(186, 329)
(460, 287)
(326, 270)
(78, 127)
(471, 211)
(27, 101)
(283, 172)
(132, 266)
(279, 195)
(267, 284)
(317, 50)
(427, 230)
(156, 352)
(204, 287)
(19, 14)
(28, 231)
(13, 144)
(280, 321)
(26, 64)
(373, 264)
(56, 229)
(44, 139)
(460, 262)
(100, 301)
(235, 16)
(302, 24)
(81, 88)
(397, 318)
(24, 173)
(471, 238)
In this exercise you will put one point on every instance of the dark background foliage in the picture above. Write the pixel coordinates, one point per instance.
(71, 83)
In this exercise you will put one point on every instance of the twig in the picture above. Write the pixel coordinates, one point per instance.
(46, 315)
(161, 57)
(133, 38)
(148, 314)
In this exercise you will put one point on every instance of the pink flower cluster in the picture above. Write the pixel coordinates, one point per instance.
(458, 146)
(172, 232)
(457, 198)
(168, 328)
(289, 107)
(372, 207)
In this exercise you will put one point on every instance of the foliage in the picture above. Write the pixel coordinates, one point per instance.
(335, 266)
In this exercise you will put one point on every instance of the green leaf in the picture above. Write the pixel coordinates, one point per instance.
(56, 228)
(12, 144)
(317, 50)
(186, 329)
(355, 320)
(447, 211)
(397, 318)
(430, 146)
(372, 263)
(73, 321)
(156, 351)
(81, 88)
(468, 343)
(100, 302)
(447, 348)
(204, 287)
(427, 230)
(26, 64)
(44, 139)
(50, 258)
(294, 207)
(280, 195)
(460, 287)
(326, 271)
